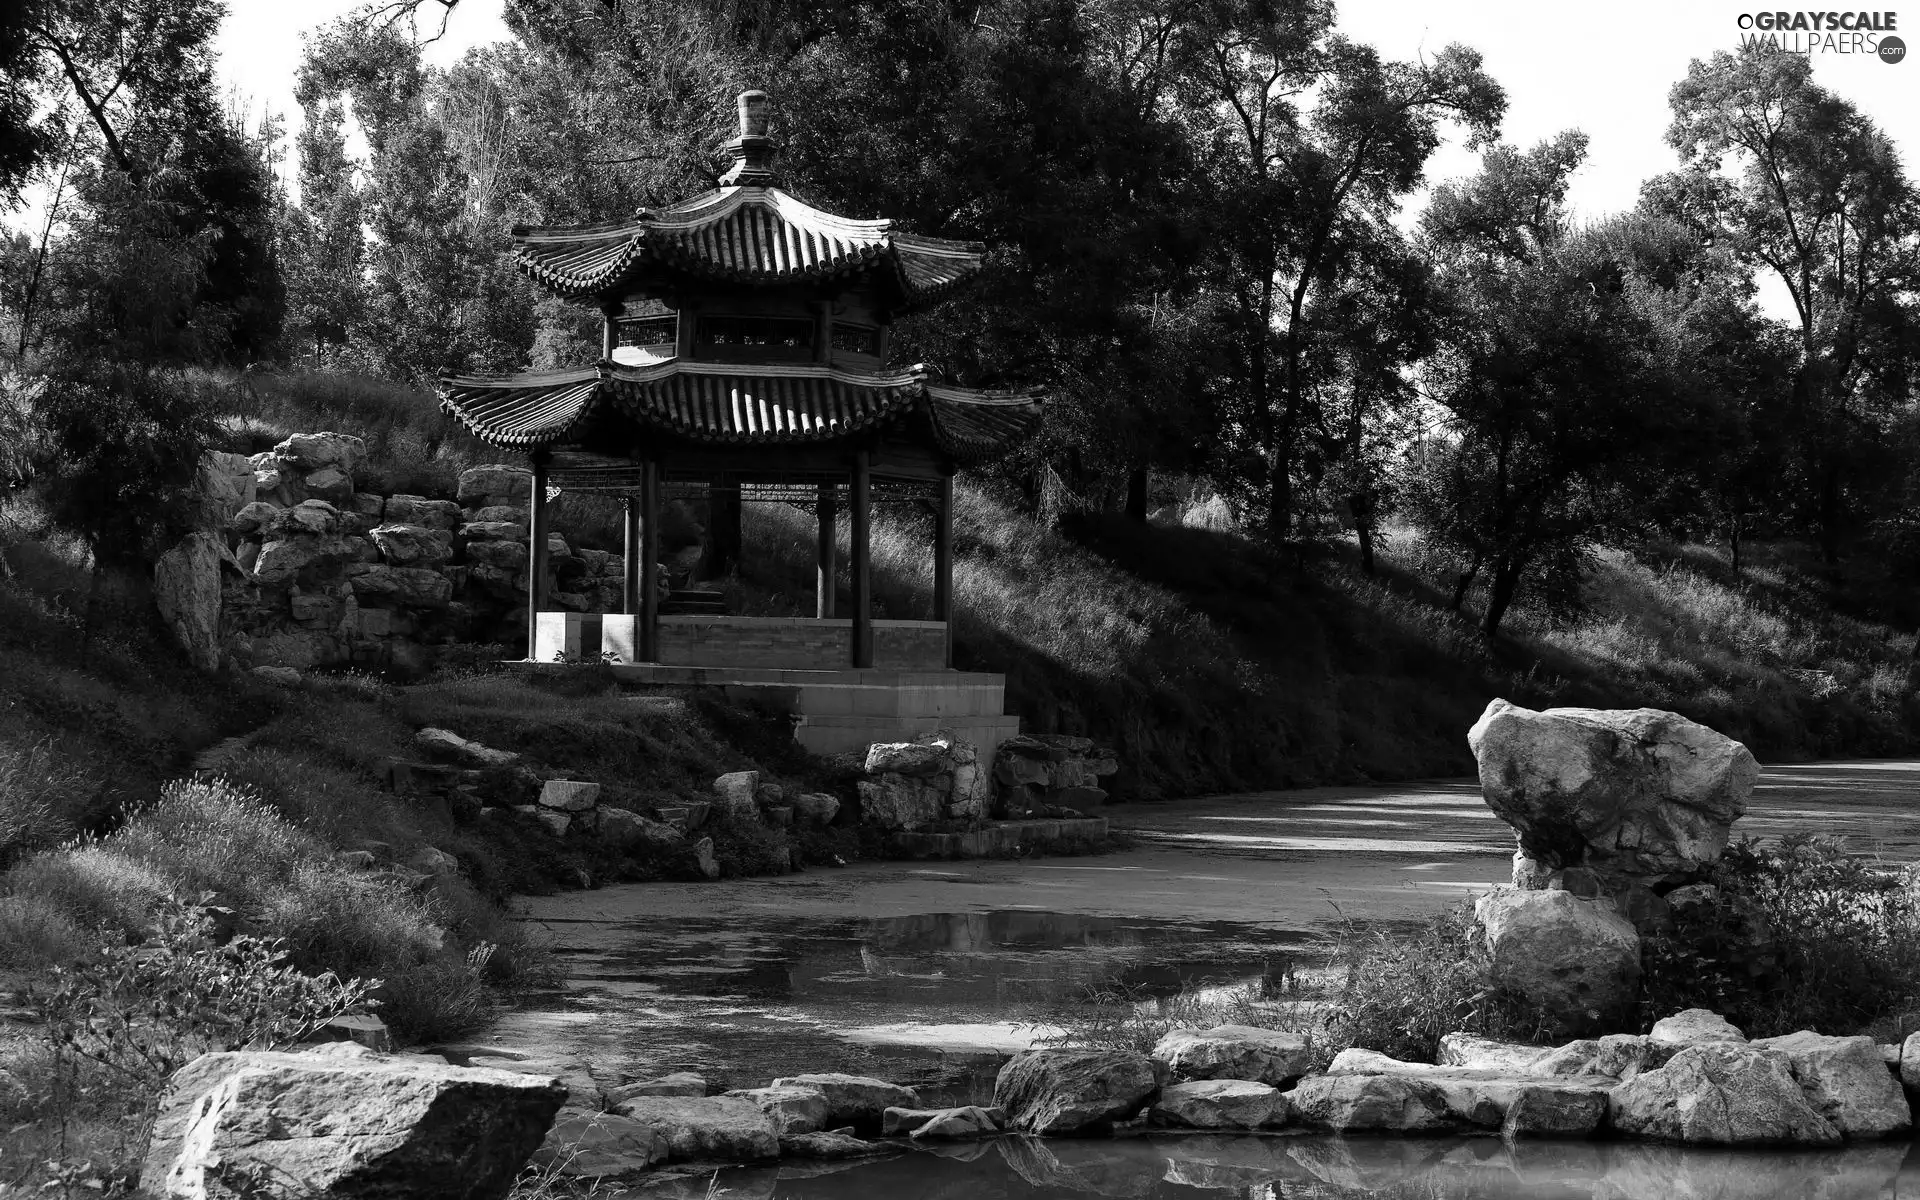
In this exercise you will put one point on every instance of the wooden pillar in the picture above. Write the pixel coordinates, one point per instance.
(649, 577)
(862, 560)
(943, 564)
(630, 589)
(536, 551)
(610, 328)
(826, 550)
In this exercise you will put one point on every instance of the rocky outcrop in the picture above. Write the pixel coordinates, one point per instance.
(1234, 1052)
(1052, 1092)
(1575, 959)
(1721, 1094)
(856, 1100)
(706, 1127)
(341, 1120)
(1846, 1082)
(1041, 774)
(1614, 802)
(913, 785)
(793, 1110)
(1220, 1104)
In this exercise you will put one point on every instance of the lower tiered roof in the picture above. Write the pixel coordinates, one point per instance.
(728, 403)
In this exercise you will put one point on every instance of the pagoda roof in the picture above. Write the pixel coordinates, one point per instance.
(753, 235)
(728, 403)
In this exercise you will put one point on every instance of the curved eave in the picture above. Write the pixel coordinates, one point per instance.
(728, 404)
(521, 412)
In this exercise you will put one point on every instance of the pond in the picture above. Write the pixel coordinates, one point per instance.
(1281, 1167)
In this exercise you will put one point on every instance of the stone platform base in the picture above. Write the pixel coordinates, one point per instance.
(1002, 839)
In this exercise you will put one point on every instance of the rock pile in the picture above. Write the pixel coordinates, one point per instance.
(1043, 774)
(294, 567)
(914, 785)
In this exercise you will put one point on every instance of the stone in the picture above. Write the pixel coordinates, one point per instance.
(1694, 1027)
(901, 802)
(412, 587)
(815, 808)
(363, 1029)
(1053, 1092)
(827, 1146)
(1400, 1097)
(486, 533)
(1720, 1094)
(253, 518)
(317, 518)
(495, 484)
(1234, 1052)
(311, 451)
(341, 1120)
(411, 545)
(186, 590)
(1910, 1063)
(679, 1083)
(906, 758)
(433, 861)
(574, 1074)
(420, 511)
(959, 1124)
(1635, 794)
(555, 823)
(1220, 1104)
(704, 859)
(448, 746)
(1617, 1055)
(624, 829)
(738, 793)
(1845, 1081)
(793, 1110)
(507, 556)
(1553, 1113)
(1484, 1054)
(569, 795)
(511, 514)
(366, 504)
(279, 676)
(699, 1128)
(856, 1100)
(1578, 960)
(330, 484)
(600, 1146)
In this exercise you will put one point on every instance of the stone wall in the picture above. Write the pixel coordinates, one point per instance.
(797, 643)
(294, 567)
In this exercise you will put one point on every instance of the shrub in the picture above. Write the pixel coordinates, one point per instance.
(1401, 990)
(39, 795)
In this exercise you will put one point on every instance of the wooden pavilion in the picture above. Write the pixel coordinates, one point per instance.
(744, 357)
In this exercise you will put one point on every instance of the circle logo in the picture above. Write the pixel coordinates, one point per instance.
(1892, 50)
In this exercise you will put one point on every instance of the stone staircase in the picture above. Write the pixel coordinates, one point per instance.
(840, 712)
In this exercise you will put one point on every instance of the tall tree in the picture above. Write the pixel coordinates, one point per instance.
(1311, 136)
(1804, 187)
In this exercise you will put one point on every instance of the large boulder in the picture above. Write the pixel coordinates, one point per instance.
(1220, 1104)
(1634, 796)
(793, 1110)
(342, 1121)
(912, 785)
(1234, 1052)
(738, 792)
(308, 452)
(600, 1146)
(418, 510)
(1721, 1094)
(495, 484)
(856, 1100)
(1578, 960)
(1847, 1082)
(1379, 1095)
(902, 802)
(186, 590)
(412, 545)
(1693, 1027)
(706, 1127)
(1052, 1092)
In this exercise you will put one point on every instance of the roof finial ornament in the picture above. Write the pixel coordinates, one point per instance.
(753, 150)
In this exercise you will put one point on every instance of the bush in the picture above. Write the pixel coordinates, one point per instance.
(1401, 991)
(39, 794)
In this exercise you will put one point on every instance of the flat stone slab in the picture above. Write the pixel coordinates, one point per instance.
(1370, 1093)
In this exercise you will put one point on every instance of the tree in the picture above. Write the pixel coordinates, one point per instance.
(325, 243)
(1572, 375)
(1311, 137)
(1798, 183)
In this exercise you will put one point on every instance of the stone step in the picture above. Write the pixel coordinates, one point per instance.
(851, 734)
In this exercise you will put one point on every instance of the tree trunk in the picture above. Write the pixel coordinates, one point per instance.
(1280, 493)
(1364, 528)
(1465, 584)
(1136, 509)
(1733, 542)
(1830, 518)
(1500, 594)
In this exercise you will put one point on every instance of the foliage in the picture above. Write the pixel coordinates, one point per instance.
(145, 1011)
(1805, 935)
(1400, 991)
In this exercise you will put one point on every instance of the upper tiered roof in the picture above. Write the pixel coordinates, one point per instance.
(746, 231)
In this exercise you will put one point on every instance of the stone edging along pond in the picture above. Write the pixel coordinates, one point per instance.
(1693, 1080)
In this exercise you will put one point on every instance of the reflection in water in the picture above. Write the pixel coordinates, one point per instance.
(1320, 1168)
